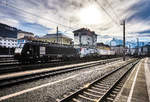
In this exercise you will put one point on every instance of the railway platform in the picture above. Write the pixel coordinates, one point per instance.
(137, 86)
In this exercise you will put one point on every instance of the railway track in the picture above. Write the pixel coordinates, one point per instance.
(16, 67)
(104, 89)
(33, 75)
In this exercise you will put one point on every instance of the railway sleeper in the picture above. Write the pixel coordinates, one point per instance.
(115, 92)
(74, 100)
(102, 84)
(107, 84)
(91, 94)
(99, 89)
(83, 98)
(99, 86)
(96, 92)
(115, 89)
(113, 95)
(109, 99)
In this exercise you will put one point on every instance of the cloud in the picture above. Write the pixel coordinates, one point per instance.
(9, 21)
(64, 14)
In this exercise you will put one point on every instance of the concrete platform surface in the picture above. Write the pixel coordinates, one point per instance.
(137, 86)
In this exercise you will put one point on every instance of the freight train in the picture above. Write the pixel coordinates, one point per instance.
(34, 51)
(30, 51)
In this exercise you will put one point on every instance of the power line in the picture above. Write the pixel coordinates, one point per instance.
(115, 12)
(112, 9)
(8, 5)
(107, 13)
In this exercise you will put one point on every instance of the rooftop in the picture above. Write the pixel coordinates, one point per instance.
(60, 35)
(102, 44)
(20, 31)
(85, 30)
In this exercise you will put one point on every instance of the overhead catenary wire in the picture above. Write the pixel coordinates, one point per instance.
(35, 15)
(106, 12)
(114, 12)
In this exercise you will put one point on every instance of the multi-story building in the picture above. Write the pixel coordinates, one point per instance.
(23, 34)
(57, 38)
(7, 31)
(85, 37)
(8, 39)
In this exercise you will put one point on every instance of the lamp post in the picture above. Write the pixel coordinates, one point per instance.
(57, 33)
(123, 23)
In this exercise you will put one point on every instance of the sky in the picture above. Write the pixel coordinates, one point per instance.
(102, 16)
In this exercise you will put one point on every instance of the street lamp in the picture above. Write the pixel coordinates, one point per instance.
(123, 23)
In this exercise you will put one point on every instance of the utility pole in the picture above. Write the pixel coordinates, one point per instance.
(129, 49)
(57, 33)
(124, 40)
(137, 46)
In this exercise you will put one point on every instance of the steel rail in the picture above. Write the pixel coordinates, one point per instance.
(88, 94)
(13, 80)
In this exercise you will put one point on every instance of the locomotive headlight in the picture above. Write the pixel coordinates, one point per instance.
(18, 50)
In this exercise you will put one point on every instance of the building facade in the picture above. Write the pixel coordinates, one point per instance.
(57, 38)
(103, 46)
(118, 49)
(8, 39)
(8, 31)
(85, 37)
(23, 34)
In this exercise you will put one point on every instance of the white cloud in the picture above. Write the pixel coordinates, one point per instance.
(11, 22)
(53, 13)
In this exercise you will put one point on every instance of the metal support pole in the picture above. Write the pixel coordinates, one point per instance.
(124, 41)
(57, 34)
(137, 46)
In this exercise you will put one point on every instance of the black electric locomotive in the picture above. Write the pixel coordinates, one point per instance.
(34, 51)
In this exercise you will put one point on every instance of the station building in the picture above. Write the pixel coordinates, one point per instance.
(57, 38)
(85, 38)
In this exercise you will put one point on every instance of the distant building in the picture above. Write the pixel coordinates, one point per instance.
(144, 50)
(61, 38)
(8, 31)
(115, 42)
(103, 46)
(23, 34)
(85, 37)
(118, 49)
(8, 39)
